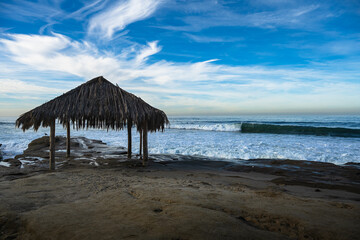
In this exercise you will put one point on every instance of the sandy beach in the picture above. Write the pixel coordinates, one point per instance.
(99, 194)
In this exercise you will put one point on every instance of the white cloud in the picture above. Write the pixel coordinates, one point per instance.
(215, 14)
(151, 49)
(183, 86)
(28, 11)
(89, 8)
(108, 16)
(209, 39)
(118, 16)
(30, 45)
(57, 53)
(342, 47)
(21, 87)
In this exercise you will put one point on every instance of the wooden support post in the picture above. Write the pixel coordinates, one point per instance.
(52, 146)
(145, 144)
(129, 137)
(68, 139)
(140, 148)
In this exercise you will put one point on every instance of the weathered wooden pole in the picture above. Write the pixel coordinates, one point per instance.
(129, 137)
(145, 143)
(68, 139)
(140, 148)
(52, 145)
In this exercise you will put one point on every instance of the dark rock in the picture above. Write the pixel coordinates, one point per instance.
(13, 162)
(157, 210)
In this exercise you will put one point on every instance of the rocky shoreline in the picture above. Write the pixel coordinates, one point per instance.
(98, 194)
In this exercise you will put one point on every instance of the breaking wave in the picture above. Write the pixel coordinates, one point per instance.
(300, 130)
(228, 127)
(246, 127)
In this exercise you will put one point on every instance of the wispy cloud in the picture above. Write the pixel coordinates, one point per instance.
(18, 96)
(342, 47)
(60, 53)
(339, 46)
(210, 39)
(28, 11)
(215, 14)
(47, 12)
(117, 16)
(151, 49)
(89, 8)
(185, 85)
(21, 87)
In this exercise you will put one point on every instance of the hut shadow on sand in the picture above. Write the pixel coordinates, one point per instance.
(96, 104)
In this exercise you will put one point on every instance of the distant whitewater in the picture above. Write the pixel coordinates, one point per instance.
(334, 139)
(246, 127)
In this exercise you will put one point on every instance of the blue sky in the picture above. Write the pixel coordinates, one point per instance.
(186, 57)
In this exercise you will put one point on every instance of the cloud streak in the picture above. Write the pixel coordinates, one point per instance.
(151, 49)
(210, 39)
(22, 87)
(117, 16)
(215, 14)
(183, 86)
(27, 11)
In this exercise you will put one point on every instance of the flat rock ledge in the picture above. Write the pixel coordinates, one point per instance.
(98, 193)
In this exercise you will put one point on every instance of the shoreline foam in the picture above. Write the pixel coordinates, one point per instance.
(222, 144)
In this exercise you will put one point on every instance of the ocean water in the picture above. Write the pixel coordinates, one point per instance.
(334, 139)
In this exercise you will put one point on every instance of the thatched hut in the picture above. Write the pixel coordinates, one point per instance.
(96, 104)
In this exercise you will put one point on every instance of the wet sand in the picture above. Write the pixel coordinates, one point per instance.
(99, 194)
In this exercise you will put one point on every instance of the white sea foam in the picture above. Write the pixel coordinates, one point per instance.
(5, 164)
(231, 127)
(249, 146)
(94, 163)
(219, 140)
(82, 143)
(26, 162)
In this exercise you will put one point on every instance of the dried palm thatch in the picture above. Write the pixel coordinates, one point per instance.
(95, 104)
